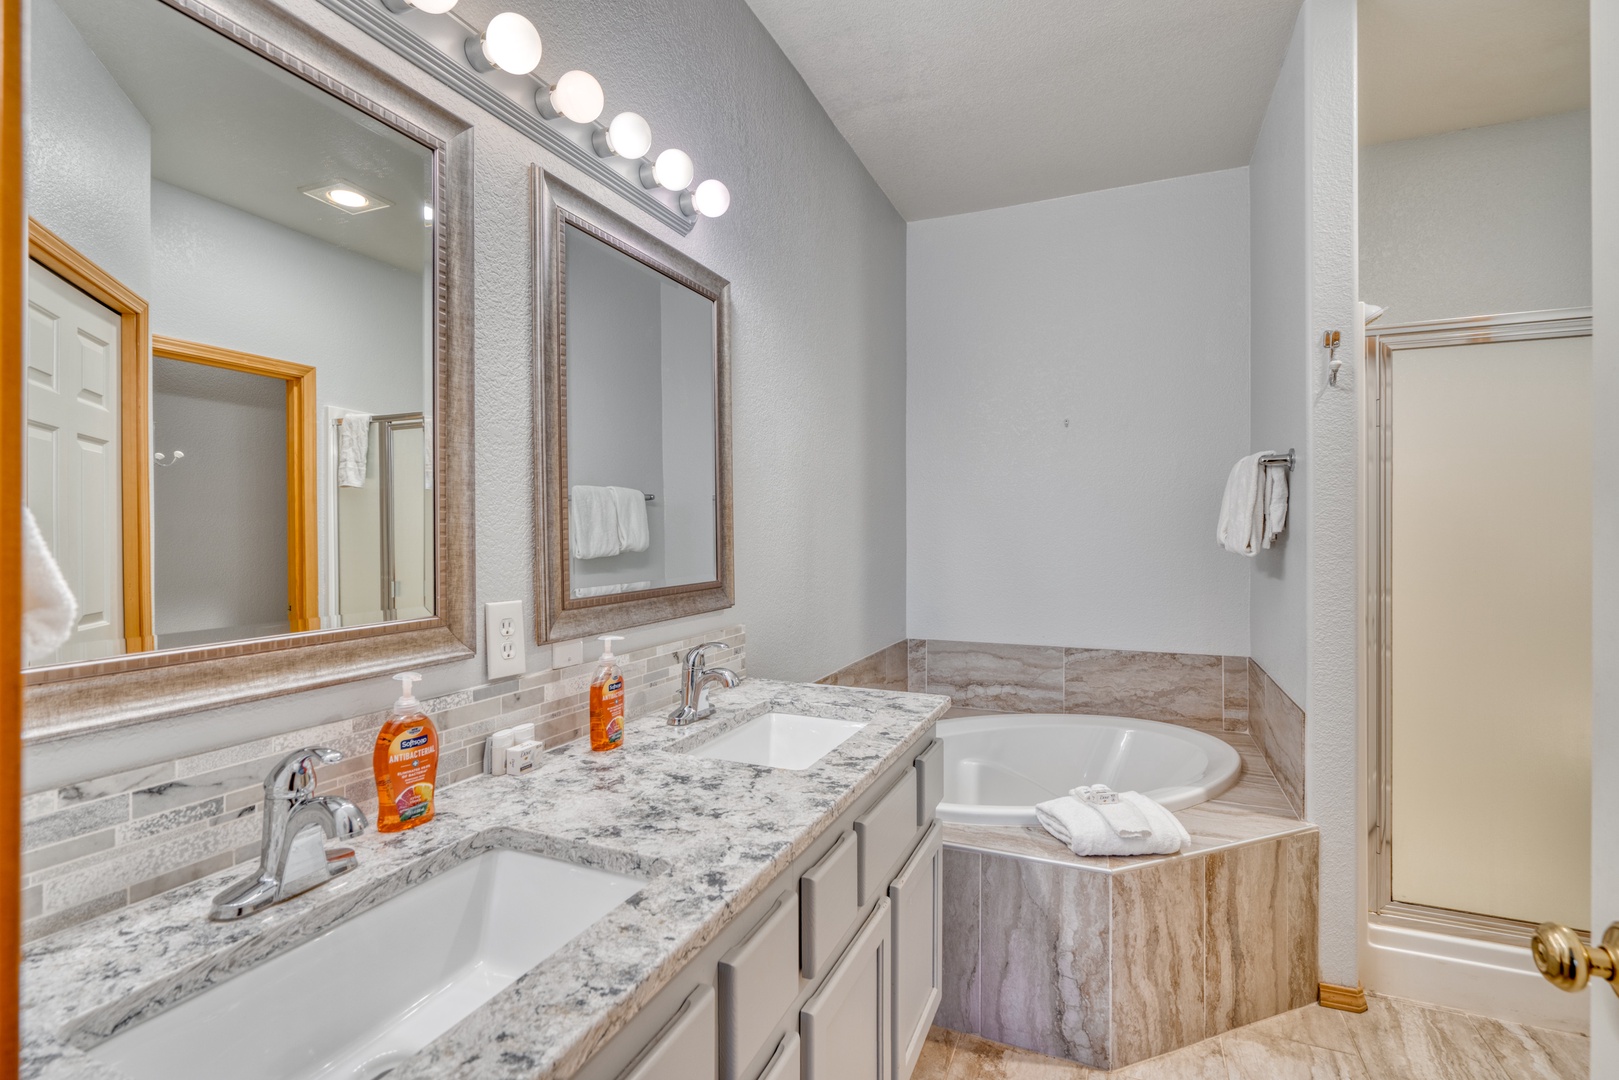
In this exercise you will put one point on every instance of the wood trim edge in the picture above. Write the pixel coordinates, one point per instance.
(1343, 998)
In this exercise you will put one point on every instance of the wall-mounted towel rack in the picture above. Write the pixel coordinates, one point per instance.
(1279, 459)
(649, 496)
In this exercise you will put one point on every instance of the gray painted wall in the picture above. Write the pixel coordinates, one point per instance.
(816, 257)
(225, 277)
(219, 514)
(685, 506)
(1478, 222)
(1078, 391)
(1281, 339)
(89, 152)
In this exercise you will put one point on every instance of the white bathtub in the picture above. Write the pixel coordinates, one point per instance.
(997, 767)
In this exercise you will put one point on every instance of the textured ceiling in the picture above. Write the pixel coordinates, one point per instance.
(962, 105)
(1429, 66)
(236, 128)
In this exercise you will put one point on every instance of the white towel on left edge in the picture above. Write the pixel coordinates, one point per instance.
(592, 523)
(353, 439)
(633, 534)
(1275, 501)
(48, 605)
(1242, 513)
(1079, 826)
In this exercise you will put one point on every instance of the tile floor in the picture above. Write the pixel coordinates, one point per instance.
(1393, 1040)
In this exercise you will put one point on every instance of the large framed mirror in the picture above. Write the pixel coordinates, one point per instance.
(633, 409)
(247, 379)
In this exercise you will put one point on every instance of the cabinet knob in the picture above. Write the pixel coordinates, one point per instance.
(1568, 962)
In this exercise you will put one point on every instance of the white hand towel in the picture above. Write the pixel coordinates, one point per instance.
(353, 438)
(633, 534)
(592, 523)
(1124, 818)
(49, 609)
(1242, 513)
(1084, 830)
(611, 590)
(1275, 501)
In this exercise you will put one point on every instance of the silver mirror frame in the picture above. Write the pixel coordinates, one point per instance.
(558, 615)
(72, 699)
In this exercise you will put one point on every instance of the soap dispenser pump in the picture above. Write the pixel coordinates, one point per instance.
(405, 762)
(607, 700)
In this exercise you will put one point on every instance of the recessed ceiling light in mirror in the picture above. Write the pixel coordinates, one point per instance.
(347, 197)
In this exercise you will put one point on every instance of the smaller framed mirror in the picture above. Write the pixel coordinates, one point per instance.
(633, 409)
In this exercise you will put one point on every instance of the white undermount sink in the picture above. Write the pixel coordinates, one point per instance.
(372, 991)
(780, 740)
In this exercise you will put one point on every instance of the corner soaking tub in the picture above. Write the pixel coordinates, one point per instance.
(997, 767)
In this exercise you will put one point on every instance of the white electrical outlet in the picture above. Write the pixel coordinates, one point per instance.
(567, 653)
(503, 623)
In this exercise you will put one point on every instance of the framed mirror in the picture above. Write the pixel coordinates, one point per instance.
(633, 409)
(247, 379)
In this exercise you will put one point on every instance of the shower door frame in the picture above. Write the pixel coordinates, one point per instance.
(1382, 344)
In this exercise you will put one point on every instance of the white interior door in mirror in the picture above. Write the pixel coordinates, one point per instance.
(72, 462)
(641, 431)
(283, 239)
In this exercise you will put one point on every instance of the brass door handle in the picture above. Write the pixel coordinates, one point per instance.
(1568, 963)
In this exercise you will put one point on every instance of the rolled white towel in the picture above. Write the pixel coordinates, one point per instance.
(1124, 818)
(1084, 830)
(1242, 511)
(1275, 501)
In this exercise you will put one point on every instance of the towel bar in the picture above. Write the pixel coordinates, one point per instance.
(1279, 459)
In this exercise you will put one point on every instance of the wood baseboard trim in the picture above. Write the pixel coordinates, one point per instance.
(1344, 998)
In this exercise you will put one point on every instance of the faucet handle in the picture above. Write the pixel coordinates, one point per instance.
(294, 775)
(695, 658)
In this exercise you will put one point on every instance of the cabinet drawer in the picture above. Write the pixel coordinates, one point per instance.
(929, 782)
(784, 1063)
(886, 832)
(829, 902)
(685, 1049)
(847, 1026)
(918, 932)
(758, 982)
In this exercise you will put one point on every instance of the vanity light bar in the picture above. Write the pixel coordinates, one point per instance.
(511, 44)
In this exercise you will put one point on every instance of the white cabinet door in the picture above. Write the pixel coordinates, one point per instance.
(687, 1049)
(847, 1029)
(917, 896)
(73, 473)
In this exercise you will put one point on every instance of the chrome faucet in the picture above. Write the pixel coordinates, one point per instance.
(297, 823)
(694, 703)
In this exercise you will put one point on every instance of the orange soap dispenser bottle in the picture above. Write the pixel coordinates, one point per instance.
(406, 763)
(607, 701)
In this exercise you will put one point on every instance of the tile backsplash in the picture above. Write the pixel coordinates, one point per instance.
(99, 844)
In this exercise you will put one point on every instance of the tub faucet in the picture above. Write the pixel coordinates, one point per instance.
(694, 684)
(297, 823)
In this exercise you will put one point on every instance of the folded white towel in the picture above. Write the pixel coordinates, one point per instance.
(1242, 514)
(633, 534)
(610, 590)
(1275, 501)
(1124, 818)
(1086, 832)
(593, 523)
(49, 609)
(353, 438)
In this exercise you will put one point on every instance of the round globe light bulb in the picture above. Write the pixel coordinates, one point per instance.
(674, 170)
(432, 7)
(512, 44)
(711, 199)
(629, 135)
(578, 96)
(344, 197)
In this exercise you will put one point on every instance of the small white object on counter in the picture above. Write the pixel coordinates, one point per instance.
(522, 758)
(494, 751)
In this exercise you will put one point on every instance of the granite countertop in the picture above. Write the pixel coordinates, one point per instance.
(708, 835)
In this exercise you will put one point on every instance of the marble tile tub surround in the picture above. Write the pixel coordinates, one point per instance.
(97, 845)
(1393, 1040)
(1277, 725)
(709, 835)
(1108, 962)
